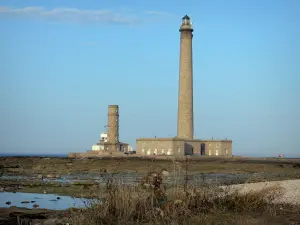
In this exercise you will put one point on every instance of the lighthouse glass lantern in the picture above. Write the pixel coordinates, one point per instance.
(186, 20)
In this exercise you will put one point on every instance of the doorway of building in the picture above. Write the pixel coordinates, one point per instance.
(202, 151)
(188, 149)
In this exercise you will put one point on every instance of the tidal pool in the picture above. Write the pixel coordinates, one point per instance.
(48, 201)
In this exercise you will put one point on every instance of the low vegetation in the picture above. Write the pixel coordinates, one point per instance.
(58, 166)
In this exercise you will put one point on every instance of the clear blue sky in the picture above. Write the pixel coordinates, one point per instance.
(62, 62)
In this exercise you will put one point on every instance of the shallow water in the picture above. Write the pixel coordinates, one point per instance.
(135, 178)
(47, 201)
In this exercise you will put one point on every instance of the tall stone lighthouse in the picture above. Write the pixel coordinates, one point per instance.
(184, 143)
(185, 123)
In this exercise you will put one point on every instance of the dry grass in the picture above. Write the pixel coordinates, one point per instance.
(152, 203)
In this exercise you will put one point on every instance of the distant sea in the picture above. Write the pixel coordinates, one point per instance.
(66, 155)
(33, 154)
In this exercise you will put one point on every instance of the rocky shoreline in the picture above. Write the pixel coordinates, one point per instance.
(17, 215)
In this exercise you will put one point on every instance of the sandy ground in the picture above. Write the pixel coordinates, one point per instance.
(290, 189)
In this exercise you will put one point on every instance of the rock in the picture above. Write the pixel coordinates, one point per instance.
(58, 198)
(8, 203)
(32, 201)
(165, 173)
(39, 176)
(36, 222)
(7, 189)
(35, 205)
(25, 202)
(50, 176)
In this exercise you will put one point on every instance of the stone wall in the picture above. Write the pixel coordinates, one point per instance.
(159, 146)
(212, 147)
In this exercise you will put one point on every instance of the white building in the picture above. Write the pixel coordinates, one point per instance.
(99, 146)
(103, 137)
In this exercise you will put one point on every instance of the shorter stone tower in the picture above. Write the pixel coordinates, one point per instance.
(113, 127)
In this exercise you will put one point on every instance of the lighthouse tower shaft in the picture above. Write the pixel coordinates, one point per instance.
(113, 126)
(185, 123)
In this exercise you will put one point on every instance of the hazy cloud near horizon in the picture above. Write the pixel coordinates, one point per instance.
(64, 14)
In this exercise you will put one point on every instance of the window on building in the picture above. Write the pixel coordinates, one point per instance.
(209, 152)
(209, 145)
(117, 149)
(149, 151)
(217, 152)
(226, 151)
(162, 151)
(116, 120)
(155, 152)
(116, 110)
(143, 150)
(178, 149)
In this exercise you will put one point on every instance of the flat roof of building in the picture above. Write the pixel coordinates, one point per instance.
(183, 139)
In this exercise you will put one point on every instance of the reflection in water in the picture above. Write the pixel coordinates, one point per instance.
(48, 201)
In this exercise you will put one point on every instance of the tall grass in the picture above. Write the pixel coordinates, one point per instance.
(151, 203)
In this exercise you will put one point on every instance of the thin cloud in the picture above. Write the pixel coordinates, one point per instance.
(71, 14)
(158, 13)
(79, 15)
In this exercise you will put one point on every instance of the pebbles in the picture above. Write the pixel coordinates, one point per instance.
(35, 205)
